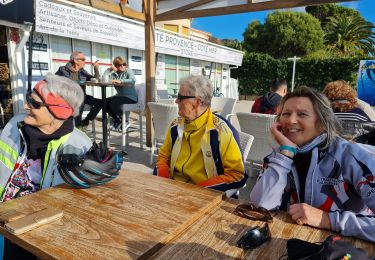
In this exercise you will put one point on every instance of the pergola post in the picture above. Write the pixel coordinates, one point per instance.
(150, 11)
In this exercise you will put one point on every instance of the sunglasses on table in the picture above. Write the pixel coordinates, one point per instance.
(182, 97)
(37, 104)
(254, 237)
(253, 212)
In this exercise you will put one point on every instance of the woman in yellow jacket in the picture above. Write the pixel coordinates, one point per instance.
(201, 147)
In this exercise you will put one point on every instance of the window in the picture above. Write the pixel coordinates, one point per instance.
(171, 27)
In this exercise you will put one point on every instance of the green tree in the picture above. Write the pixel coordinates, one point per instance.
(284, 34)
(234, 44)
(324, 12)
(350, 35)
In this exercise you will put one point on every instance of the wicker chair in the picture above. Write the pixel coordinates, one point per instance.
(246, 141)
(162, 116)
(259, 126)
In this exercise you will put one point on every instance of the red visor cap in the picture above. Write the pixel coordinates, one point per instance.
(58, 107)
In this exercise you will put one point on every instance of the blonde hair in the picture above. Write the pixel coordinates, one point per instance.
(119, 61)
(342, 96)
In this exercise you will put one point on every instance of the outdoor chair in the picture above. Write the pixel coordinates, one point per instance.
(138, 108)
(367, 109)
(259, 126)
(223, 106)
(162, 116)
(169, 101)
(246, 141)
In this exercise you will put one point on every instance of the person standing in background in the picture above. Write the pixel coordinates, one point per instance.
(268, 103)
(74, 70)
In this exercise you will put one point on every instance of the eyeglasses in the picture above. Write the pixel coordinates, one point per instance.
(37, 104)
(252, 212)
(182, 97)
(82, 59)
(254, 237)
(121, 65)
(33, 103)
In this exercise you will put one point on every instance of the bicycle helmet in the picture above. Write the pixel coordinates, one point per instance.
(98, 166)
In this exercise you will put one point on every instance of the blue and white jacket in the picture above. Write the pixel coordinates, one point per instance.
(340, 181)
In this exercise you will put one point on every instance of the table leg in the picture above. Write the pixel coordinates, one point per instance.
(104, 118)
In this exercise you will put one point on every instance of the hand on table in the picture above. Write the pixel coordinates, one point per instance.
(116, 81)
(303, 213)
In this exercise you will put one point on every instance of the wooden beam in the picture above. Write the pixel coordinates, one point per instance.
(150, 11)
(131, 13)
(187, 7)
(244, 8)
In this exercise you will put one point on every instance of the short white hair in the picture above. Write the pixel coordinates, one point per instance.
(199, 86)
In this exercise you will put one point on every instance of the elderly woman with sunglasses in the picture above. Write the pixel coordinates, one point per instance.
(200, 147)
(29, 142)
(322, 180)
(120, 73)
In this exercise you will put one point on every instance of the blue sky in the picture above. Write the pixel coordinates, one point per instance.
(232, 26)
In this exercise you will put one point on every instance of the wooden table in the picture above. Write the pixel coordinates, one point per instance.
(130, 217)
(214, 236)
(103, 86)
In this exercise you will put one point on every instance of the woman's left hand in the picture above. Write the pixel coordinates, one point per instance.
(303, 213)
(116, 81)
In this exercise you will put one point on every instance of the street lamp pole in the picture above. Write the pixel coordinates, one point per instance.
(294, 59)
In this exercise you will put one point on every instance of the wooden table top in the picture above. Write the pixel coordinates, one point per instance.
(214, 236)
(130, 217)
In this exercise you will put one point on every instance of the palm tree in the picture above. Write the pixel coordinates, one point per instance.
(350, 35)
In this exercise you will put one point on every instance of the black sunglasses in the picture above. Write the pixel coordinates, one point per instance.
(253, 212)
(33, 103)
(254, 237)
(182, 97)
(37, 104)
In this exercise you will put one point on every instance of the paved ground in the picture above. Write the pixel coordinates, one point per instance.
(139, 159)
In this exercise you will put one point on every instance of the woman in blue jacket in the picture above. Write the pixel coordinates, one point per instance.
(321, 179)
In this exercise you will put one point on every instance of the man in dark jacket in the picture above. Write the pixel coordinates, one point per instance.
(74, 70)
(268, 103)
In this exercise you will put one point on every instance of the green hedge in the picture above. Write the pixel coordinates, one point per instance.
(258, 70)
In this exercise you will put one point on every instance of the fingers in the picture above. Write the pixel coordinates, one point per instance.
(297, 213)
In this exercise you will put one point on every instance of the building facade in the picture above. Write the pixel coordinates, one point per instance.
(62, 27)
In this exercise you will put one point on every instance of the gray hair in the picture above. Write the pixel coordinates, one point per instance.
(199, 86)
(322, 107)
(74, 55)
(65, 88)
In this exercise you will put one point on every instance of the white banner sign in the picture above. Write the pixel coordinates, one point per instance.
(179, 46)
(62, 20)
(66, 21)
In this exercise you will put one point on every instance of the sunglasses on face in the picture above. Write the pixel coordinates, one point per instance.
(121, 65)
(252, 212)
(37, 104)
(182, 97)
(254, 237)
(82, 59)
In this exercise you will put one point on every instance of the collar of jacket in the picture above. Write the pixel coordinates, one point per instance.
(212, 122)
